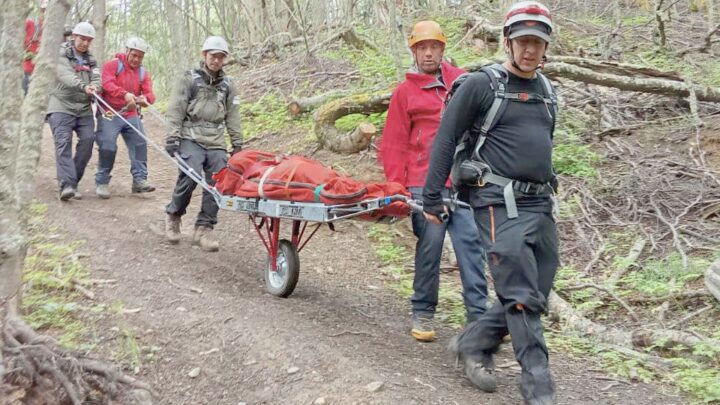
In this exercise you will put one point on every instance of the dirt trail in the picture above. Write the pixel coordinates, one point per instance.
(340, 329)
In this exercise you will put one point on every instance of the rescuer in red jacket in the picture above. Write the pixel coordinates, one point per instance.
(412, 121)
(33, 32)
(126, 86)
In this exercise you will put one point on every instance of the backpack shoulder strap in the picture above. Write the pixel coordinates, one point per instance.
(197, 82)
(121, 68)
(551, 100)
(498, 84)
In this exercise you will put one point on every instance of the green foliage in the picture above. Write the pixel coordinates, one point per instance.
(698, 380)
(451, 304)
(451, 307)
(49, 302)
(128, 350)
(625, 367)
(666, 276)
(350, 122)
(575, 159)
(374, 67)
(266, 115)
(570, 155)
(455, 30)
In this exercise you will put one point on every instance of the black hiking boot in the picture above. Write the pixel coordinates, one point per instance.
(479, 371)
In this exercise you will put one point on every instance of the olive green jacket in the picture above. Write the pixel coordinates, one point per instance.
(73, 74)
(202, 108)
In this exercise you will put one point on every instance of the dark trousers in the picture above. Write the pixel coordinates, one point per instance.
(70, 169)
(106, 139)
(201, 160)
(522, 254)
(25, 82)
(428, 251)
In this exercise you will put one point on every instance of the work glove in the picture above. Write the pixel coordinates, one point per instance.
(172, 145)
(236, 149)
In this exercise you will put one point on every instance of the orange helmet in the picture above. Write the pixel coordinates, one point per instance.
(425, 30)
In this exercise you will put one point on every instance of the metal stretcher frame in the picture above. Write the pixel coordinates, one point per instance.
(283, 268)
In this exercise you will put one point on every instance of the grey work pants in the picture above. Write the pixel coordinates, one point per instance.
(428, 251)
(201, 160)
(70, 168)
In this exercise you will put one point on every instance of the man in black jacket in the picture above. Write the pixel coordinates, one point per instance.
(511, 193)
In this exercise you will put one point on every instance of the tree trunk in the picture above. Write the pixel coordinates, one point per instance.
(11, 239)
(98, 21)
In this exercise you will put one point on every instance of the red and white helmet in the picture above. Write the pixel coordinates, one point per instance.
(528, 12)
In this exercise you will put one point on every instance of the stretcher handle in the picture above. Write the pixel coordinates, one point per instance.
(451, 204)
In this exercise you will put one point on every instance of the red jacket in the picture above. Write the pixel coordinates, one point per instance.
(115, 86)
(33, 32)
(412, 121)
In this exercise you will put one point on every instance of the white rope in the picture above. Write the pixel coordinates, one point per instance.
(177, 160)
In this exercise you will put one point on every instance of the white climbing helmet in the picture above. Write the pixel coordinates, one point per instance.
(137, 43)
(216, 44)
(43, 4)
(522, 19)
(85, 29)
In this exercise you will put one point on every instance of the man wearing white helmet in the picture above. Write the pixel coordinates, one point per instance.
(78, 77)
(203, 107)
(127, 86)
(33, 33)
(496, 139)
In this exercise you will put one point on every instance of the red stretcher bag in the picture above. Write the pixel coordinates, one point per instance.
(255, 174)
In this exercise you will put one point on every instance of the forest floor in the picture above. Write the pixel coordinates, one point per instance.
(341, 330)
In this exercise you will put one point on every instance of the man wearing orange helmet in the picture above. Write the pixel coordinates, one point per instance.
(503, 117)
(412, 122)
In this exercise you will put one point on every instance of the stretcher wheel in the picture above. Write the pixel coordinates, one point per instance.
(283, 281)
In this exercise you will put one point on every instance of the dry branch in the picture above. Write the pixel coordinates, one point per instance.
(629, 261)
(686, 295)
(608, 291)
(639, 338)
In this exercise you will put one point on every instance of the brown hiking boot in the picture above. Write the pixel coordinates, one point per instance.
(203, 239)
(422, 328)
(172, 228)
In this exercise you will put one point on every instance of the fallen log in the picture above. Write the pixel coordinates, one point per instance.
(329, 137)
(304, 105)
(616, 68)
(639, 338)
(328, 113)
(557, 70)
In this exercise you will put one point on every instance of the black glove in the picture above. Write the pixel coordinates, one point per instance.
(172, 145)
(236, 149)
(434, 209)
(555, 184)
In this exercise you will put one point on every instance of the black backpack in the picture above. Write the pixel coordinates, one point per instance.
(473, 139)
